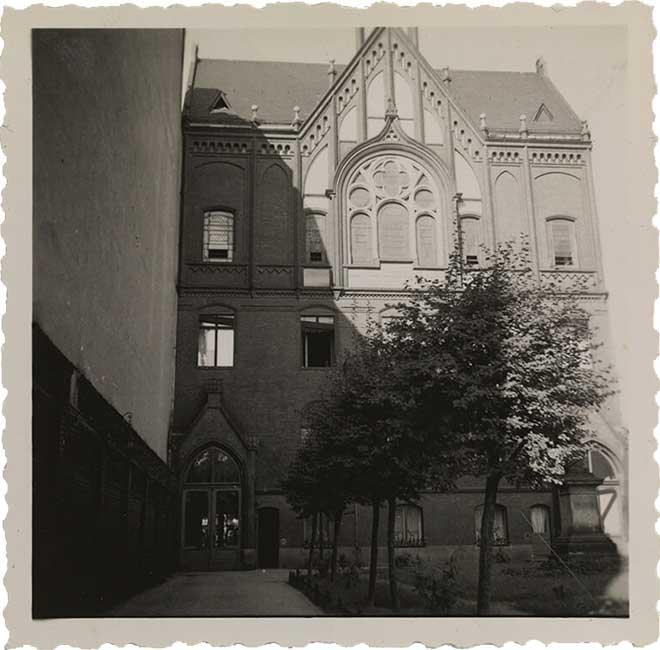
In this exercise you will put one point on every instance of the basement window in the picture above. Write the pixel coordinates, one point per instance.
(318, 335)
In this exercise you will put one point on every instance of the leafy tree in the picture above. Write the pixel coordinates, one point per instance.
(502, 374)
(370, 441)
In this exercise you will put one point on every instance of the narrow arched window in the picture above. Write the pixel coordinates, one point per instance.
(314, 239)
(471, 239)
(218, 236)
(426, 241)
(561, 237)
(500, 525)
(361, 252)
(393, 233)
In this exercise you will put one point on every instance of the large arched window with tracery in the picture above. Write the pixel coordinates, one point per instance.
(394, 213)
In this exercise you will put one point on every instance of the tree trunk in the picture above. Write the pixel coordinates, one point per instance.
(311, 544)
(391, 516)
(335, 543)
(486, 546)
(373, 558)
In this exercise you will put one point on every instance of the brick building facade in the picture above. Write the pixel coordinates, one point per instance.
(311, 194)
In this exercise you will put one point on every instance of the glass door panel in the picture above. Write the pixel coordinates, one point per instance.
(196, 520)
(227, 519)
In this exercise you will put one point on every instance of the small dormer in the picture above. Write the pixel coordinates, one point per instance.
(220, 103)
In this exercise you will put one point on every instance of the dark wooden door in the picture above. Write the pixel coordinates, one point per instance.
(269, 538)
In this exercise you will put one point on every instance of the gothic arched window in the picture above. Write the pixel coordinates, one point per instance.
(394, 213)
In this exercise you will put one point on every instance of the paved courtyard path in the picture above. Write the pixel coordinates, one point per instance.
(221, 593)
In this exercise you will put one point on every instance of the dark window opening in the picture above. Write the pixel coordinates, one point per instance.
(471, 260)
(317, 341)
(315, 256)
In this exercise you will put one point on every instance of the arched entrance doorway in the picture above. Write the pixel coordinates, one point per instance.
(211, 512)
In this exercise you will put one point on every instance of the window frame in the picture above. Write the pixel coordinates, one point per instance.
(477, 531)
(316, 313)
(310, 213)
(405, 543)
(575, 262)
(231, 250)
(476, 218)
(207, 317)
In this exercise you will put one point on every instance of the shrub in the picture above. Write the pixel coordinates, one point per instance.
(437, 586)
(404, 560)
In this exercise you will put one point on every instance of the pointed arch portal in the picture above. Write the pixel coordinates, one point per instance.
(211, 507)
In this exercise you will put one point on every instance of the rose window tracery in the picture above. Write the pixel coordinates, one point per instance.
(393, 213)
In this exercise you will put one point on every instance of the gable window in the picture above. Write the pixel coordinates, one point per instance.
(318, 334)
(470, 240)
(408, 526)
(394, 214)
(500, 525)
(216, 341)
(426, 246)
(218, 236)
(561, 235)
(314, 230)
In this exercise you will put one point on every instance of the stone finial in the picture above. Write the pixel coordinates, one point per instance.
(586, 133)
(541, 66)
(332, 72)
(359, 37)
(483, 124)
(391, 111)
(446, 77)
(523, 126)
(255, 110)
(296, 122)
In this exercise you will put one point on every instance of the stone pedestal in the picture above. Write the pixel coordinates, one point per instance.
(581, 529)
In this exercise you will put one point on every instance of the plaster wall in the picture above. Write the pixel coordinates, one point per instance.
(106, 178)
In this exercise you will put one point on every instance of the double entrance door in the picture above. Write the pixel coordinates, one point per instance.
(211, 528)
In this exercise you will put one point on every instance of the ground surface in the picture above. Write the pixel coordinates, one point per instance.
(228, 593)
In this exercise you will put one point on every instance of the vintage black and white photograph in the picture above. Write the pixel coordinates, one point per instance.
(331, 322)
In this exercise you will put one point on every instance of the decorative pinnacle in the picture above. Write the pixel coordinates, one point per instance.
(540, 65)
(446, 77)
(391, 111)
(332, 72)
(296, 117)
(482, 123)
(255, 109)
(586, 134)
(523, 126)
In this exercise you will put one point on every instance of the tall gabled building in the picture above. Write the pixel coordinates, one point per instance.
(311, 194)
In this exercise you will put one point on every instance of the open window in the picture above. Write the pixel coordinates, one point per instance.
(218, 236)
(318, 340)
(216, 340)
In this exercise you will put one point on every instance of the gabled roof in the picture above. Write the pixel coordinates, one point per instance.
(505, 96)
(276, 87)
(273, 86)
